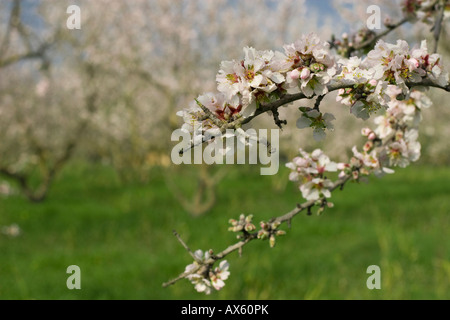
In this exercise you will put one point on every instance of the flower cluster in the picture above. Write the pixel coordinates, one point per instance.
(203, 276)
(367, 94)
(349, 44)
(305, 66)
(310, 66)
(269, 230)
(394, 142)
(424, 10)
(399, 126)
(309, 170)
(252, 80)
(397, 64)
(387, 65)
(244, 224)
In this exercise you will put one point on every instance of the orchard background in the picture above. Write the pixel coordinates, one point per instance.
(86, 176)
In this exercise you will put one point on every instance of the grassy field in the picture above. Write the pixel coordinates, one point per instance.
(121, 237)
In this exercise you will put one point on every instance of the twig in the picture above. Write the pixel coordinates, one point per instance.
(372, 41)
(276, 118)
(252, 236)
(438, 26)
(185, 246)
(318, 101)
(210, 115)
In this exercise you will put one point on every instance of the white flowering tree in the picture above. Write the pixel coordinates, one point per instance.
(370, 77)
(40, 126)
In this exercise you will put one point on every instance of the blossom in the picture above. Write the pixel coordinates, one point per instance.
(364, 98)
(252, 78)
(397, 64)
(309, 170)
(204, 282)
(316, 188)
(423, 10)
(311, 65)
(219, 275)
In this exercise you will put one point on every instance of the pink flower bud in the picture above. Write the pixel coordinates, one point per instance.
(368, 146)
(305, 73)
(342, 166)
(414, 62)
(280, 233)
(249, 227)
(366, 131)
(272, 241)
(372, 136)
(294, 74)
(373, 82)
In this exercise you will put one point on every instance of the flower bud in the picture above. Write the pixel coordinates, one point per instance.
(249, 218)
(372, 136)
(373, 82)
(249, 227)
(305, 73)
(315, 67)
(294, 74)
(272, 241)
(366, 131)
(368, 146)
(342, 166)
(275, 225)
(413, 62)
(355, 175)
(263, 234)
(280, 233)
(320, 210)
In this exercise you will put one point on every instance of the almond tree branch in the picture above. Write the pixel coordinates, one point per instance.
(372, 41)
(248, 237)
(253, 236)
(288, 98)
(185, 246)
(438, 25)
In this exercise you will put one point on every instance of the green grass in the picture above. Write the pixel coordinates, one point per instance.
(121, 237)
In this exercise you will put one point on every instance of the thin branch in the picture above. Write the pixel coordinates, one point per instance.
(185, 246)
(288, 98)
(371, 42)
(252, 236)
(210, 115)
(318, 102)
(438, 26)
